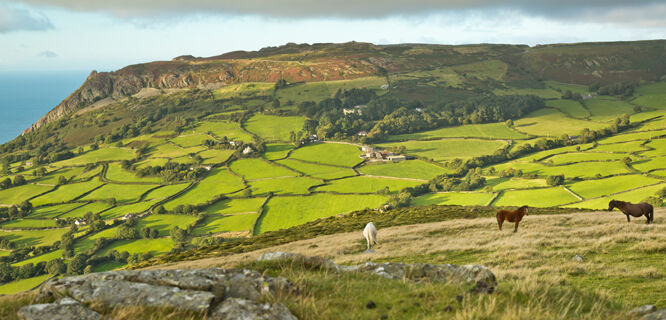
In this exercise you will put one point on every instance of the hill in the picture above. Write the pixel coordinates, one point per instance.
(175, 160)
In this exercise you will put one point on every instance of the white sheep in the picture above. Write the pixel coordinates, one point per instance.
(370, 234)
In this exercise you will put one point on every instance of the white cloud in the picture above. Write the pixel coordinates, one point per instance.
(15, 19)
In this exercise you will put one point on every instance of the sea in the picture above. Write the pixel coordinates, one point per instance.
(27, 96)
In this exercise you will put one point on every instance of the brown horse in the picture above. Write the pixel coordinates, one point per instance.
(511, 216)
(636, 210)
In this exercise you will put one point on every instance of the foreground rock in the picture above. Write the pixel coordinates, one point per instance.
(442, 273)
(657, 315)
(224, 294)
(63, 309)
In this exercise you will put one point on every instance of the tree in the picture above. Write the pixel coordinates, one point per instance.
(178, 235)
(126, 232)
(154, 233)
(6, 183)
(160, 210)
(56, 266)
(276, 103)
(555, 180)
(19, 180)
(62, 180)
(509, 123)
(626, 160)
(77, 264)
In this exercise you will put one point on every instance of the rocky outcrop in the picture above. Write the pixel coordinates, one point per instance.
(656, 315)
(467, 274)
(218, 293)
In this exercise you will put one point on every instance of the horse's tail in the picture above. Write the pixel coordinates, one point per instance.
(650, 214)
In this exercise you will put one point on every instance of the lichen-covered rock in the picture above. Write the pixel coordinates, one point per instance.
(444, 272)
(657, 315)
(242, 309)
(314, 262)
(63, 309)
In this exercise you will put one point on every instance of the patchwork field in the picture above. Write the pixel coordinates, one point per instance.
(273, 128)
(283, 186)
(454, 198)
(336, 154)
(413, 169)
(488, 130)
(552, 123)
(317, 170)
(572, 108)
(253, 169)
(367, 185)
(448, 149)
(544, 197)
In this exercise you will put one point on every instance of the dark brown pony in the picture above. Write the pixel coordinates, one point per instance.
(636, 210)
(511, 216)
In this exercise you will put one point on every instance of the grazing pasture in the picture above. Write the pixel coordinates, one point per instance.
(498, 183)
(317, 170)
(99, 155)
(596, 188)
(573, 157)
(448, 149)
(276, 151)
(93, 207)
(337, 154)
(622, 147)
(414, 169)
(23, 284)
(123, 193)
(121, 210)
(245, 89)
(163, 223)
(544, 197)
(191, 140)
(221, 129)
(546, 93)
(27, 238)
(274, 128)
(657, 146)
(553, 123)
(165, 191)
(116, 173)
(216, 223)
(155, 247)
(367, 185)
(169, 150)
(284, 212)
(283, 186)
(54, 176)
(255, 168)
(67, 192)
(572, 108)
(633, 136)
(46, 212)
(486, 130)
(219, 181)
(235, 205)
(28, 224)
(454, 198)
(215, 156)
(40, 258)
(606, 108)
(634, 196)
(574, 88)
(650, 164)
(19, 194)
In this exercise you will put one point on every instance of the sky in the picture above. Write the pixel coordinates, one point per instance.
(64, 35)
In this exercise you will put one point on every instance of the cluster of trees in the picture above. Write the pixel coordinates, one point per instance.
(622, 89)
(16, 212)
(572, 96)
(170, 172)
(19, 180)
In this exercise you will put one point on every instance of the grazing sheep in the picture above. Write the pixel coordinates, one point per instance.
(370, 234)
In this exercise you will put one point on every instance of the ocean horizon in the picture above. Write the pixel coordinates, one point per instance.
(27, 96)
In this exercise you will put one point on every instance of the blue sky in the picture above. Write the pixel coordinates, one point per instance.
(107, 35)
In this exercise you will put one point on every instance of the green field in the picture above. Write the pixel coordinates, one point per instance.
(336, 154)
(276, 151)
(28, 224)
(283, 186)
(99, 155)
(650, 164)
(119, 211)
(216, 223)
(634, 196)
(625, 147)
(571, 108)
(596, 188)
(152, 162)
(574, 88)
(40, 258)
(221, 129)
(651, 95)
(274, 128)
(543, 93)
(52, 211)
(367, 185)
(317, 91)
(581, 169)
(93, 207)
(284, 212)
(632, 136)
(231, 206)
(415, 169)
(116, 173)
(165, 222)
(155, 247)
(454, 198)
(26, 238)
(165, 191)
(52, 177)
(19, 194)
(23, 284)
(552, 123)
(215, 156)
(66, 193)
(658, 146)
(488, 130)
(191, 140)
(317, 170)
(498, 183)
(448, 149)
(493, 69)
(605, 109)
(254, 168)
(123, 193)
(246, 89)
(218, 181)
(169, 150)
(572, 157)
(544, 197)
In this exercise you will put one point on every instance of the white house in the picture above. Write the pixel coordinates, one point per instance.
(247, 150)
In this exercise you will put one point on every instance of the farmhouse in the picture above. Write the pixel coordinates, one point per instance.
(128, 216)
(396, 158)
(362, 133)
(247, 150)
